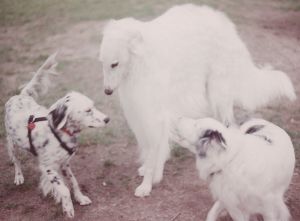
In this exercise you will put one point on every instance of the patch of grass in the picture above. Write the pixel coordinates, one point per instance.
(106, 137)
(56, 213)
(21, 12)
(27, 209)
(11, 206)
(293, 5)
(178, 152)
(108, 163)
(125, 181)
(6, 53)
(40, 59)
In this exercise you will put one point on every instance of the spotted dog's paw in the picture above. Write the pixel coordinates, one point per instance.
(68, 208)
(83, 200)
(19, 179)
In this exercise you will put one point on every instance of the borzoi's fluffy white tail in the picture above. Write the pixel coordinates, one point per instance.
(39, 84)
(263, 86)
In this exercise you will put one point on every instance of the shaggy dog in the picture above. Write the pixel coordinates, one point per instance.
(248, 169)
(50, 135)
(188, 62)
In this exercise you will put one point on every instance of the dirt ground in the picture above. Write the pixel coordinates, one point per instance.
(105, 165)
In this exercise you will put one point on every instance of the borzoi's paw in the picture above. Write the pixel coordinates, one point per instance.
(68, 208)
(141, 171)
(19, 179)
(83, 200)
(143, 190)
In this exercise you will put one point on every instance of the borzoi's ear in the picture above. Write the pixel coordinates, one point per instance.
(135, 40)
(59, 113)
(209, 137)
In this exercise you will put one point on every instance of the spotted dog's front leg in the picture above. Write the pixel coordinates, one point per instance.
(80, 198)
(52, 182)
(19, 178)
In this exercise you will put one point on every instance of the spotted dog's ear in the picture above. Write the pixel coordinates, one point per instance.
(206, 139)
(59, 114)
(214, 135)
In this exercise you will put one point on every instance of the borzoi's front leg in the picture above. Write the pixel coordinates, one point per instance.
(154, 139)
(79, 197)
(145, 187)
(51, 182)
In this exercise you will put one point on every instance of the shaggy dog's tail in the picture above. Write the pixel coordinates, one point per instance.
(263, 86)
(39, 84)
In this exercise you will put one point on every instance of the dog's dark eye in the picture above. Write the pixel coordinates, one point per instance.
(113, 65)
(89, 110)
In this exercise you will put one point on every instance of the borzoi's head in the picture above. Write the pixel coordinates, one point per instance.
(117, 48)
(76, 110)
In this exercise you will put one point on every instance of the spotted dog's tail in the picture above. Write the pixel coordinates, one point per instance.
(39, 84)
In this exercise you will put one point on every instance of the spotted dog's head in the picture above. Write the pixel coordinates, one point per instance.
(76, 110)
(210, 141)
(204, 136)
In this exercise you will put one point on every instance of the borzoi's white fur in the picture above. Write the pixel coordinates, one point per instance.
(189, 62)
(67, 117)
(248, 168)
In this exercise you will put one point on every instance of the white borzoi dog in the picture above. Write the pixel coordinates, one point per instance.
(248, 169)
(50, 134)
(189, 62)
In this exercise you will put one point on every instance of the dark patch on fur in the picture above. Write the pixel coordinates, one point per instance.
(254, 129)
(214, 135)
(55, 180)
(58, 115)
(46, 142)
(64, 172)
(202, 154)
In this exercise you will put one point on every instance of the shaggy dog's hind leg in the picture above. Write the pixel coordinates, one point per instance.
(276, 210)
(51, 182)
(19, 178)
(79, 197)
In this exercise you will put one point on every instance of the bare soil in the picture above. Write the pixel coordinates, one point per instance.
(106, 163)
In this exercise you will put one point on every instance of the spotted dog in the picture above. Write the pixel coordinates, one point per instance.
(248, 169)
(50, 134)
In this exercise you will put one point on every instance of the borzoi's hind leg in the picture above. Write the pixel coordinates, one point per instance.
(79, 197)
(162, 156)
(19, 178)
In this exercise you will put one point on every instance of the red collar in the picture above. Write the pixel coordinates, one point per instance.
(69, 132)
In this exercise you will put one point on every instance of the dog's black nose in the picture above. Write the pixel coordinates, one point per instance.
(108, 91)
(106, 120)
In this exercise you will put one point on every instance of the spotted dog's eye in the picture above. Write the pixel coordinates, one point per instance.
(88, 111)
(113, 65)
